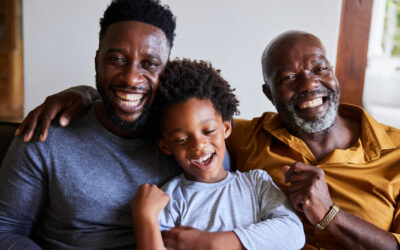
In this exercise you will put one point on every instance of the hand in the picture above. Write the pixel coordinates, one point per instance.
(184, 237)
(148, 202)
(308, 191)
(70, 103)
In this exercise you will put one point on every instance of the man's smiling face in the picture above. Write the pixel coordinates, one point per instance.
(131, 57)
(302, 85)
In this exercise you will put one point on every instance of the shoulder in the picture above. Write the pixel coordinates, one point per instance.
(255, 176)
(243, 130)
(393, 133)
(244, 124)
(173, 186)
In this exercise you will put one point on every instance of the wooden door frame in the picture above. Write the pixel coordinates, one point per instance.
(351, 60)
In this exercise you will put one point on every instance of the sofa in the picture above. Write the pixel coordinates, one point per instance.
(7, 130)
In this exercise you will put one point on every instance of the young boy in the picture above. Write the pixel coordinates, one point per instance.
(194, 110)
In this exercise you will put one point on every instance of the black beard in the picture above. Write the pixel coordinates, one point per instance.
(130, 126)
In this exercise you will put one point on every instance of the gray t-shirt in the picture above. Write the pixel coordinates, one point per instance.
(249, 204)
(74, 190)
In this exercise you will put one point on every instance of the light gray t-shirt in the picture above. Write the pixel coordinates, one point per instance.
(248, 203)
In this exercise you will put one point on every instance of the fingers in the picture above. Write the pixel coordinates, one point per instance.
(46, 118)
(71, 113)
(29, 124)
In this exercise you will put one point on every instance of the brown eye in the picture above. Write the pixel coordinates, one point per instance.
(321, 70)
(116, 60)
(210, 131)
(287, 78)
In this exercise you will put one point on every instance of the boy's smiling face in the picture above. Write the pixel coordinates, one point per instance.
(195, 134)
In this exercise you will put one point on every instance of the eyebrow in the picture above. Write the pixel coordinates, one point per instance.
(114, 50)
(148, 55)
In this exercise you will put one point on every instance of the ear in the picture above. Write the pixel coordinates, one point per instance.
(163, 145)
(267, 92)
(96, 60)
(227, 128)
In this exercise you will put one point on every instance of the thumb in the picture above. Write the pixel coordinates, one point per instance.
(285, 169)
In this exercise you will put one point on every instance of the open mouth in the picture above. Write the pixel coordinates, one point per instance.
(204, 161)
(312, 103)
(129, 99)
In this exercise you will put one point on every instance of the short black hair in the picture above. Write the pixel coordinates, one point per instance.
(184, 79)
(145, 11)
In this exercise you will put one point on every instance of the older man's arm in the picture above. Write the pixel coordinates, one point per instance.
(309, 194)
(69, 104)
(22, 189)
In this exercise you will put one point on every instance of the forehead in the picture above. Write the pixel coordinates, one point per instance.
(193, 111)
(135, 35)
(299, 53)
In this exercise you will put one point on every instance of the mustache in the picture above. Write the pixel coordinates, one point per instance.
(127, 87)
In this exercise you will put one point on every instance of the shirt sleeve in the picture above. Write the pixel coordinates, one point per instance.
(279, 228)
(22, 195)
(169, 217)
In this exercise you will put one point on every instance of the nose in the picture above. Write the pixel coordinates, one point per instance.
(198, 143)
(133, 75)
(307, 82)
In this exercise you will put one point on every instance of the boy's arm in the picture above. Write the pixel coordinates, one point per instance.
(279, 228)
(69, 104)
(184, 237)
(146, 206)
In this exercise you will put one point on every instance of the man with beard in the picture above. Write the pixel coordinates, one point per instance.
(340, 166)
(74, 191)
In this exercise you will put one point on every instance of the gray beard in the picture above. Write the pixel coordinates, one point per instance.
(294, 122)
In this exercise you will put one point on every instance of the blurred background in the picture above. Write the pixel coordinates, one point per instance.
(49, 45)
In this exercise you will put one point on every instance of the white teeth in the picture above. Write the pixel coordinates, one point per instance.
(129, 99)
(132, 104)
(311, 104)
(202, 159)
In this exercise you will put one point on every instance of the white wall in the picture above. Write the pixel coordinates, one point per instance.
(61, 39)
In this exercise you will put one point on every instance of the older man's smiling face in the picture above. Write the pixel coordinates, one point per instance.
(302, 85)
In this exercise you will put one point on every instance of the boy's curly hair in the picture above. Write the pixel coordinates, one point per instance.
(184, 79)
(145, 11)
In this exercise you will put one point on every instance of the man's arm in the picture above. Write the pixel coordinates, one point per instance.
(146, 206)
(69, 104)
(22, 195)
(309, 194)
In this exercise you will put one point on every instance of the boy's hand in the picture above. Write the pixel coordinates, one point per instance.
(148, 202)
(70, 103)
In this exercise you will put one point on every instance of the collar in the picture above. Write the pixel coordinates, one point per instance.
(373, 140)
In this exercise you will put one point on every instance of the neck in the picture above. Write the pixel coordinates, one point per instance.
(342, 135)
(103, 116)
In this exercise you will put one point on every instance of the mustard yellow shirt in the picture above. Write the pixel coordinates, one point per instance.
(364, 179)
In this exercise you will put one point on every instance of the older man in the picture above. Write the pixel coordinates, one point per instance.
(341, 170)
(335, 162)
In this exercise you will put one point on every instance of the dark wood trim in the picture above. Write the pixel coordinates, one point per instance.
(352, 50)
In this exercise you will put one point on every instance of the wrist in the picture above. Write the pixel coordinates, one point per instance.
(143, 217)
(329, 217)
